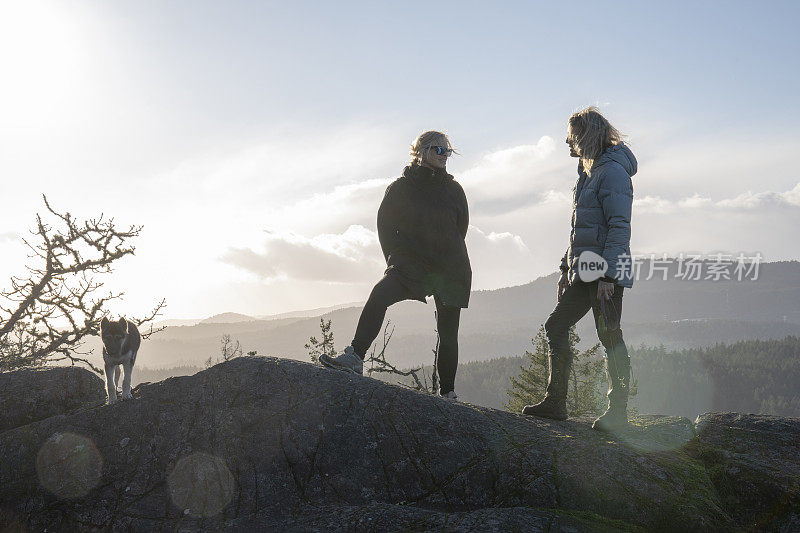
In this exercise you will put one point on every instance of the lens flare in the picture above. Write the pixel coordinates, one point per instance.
(69, 465)
(201, 485)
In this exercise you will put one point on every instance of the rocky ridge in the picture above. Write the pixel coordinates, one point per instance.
(269, 443)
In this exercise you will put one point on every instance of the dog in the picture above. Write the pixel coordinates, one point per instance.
(121, 341)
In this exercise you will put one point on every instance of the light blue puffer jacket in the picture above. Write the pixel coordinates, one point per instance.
(601, 214)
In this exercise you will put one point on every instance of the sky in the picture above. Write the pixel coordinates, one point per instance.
(254, 140)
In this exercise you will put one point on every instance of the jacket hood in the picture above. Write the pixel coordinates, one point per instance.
(621, 154)
(418, 171)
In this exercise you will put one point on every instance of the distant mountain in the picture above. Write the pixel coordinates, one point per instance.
(232, 318)
(228, 318)
(673, 312)
(311, 312)
(177, 322)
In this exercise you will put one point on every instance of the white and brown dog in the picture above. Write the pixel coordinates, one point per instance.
(121, 341)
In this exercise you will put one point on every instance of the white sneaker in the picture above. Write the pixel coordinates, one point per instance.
(348, 361)
(450, 395)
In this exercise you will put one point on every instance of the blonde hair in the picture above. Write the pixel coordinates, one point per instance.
(592, 134)
(426, 140)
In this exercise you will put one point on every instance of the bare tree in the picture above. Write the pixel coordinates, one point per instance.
(46, 315)
(228, 349)
(378, 363)
(435, 371)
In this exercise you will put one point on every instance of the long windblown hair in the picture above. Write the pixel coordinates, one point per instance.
(592, 134)
(426, 140)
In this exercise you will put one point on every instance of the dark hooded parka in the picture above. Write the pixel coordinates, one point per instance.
(422, 223)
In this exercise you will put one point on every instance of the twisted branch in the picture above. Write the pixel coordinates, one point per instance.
(47, 314)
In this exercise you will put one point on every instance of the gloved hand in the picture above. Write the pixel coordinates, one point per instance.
(604, 289)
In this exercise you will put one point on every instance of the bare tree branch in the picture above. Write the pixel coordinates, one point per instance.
(46, 315)
(149, 319)
(379, 364)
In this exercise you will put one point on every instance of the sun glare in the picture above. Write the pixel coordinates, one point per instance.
(41, 50)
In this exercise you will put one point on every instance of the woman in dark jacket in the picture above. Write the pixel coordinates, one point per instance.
(422, 223)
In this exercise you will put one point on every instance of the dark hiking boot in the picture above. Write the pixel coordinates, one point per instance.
(550, 407)
(619, 374)
(554, 404)
(614, 419)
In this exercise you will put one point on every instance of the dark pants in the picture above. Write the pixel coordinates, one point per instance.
(390, 290)
(576, 300)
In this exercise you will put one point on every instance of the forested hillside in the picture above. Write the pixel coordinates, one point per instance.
(759, 376)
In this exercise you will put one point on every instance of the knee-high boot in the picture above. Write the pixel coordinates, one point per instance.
(554, 404)
(618, 367)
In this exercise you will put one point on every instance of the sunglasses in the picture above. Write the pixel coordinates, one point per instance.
(441, 150)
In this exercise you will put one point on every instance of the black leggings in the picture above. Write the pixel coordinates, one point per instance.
(390, 290)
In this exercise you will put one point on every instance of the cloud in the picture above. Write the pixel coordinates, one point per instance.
(500, 182)
(498, 259)
(349, 204)
(322, 241)
(354, 257)
(688, 164)
(348, 257)
(518, 195)
(515, 177)
(505, 239)
(9, 236)
(748, 201)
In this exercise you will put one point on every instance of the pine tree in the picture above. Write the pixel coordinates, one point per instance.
(529, 386)
(585, 388)
(316, 347)
(585, 391)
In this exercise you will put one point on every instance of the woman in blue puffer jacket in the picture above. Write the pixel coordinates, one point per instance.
(601, 225)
